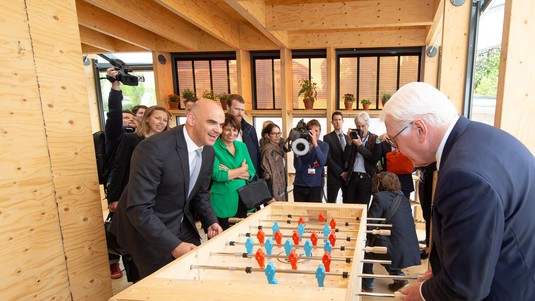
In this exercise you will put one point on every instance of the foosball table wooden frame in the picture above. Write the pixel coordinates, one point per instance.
(216, 270)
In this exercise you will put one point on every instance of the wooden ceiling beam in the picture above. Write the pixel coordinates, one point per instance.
(436, 28)
(96, 39)
(401, 37)
(102, 21)
(88, 49)
(254, 11)
(203, 15)
(327, 15)
(155, 18)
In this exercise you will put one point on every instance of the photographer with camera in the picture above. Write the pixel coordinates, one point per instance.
(362, 156)
(309, 166)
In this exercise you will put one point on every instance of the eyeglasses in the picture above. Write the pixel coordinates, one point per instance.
(393, 141)
(275, 134)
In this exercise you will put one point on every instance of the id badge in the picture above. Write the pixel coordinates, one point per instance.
(311, 171)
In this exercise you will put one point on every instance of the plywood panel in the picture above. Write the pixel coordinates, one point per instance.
(53, 242)
(515, 105)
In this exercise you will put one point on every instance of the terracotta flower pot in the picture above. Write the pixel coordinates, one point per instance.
(173, 105)
(309, 103)
(348, 105)
(365, 106)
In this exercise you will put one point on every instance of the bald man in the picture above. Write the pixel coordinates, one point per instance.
(154, 220)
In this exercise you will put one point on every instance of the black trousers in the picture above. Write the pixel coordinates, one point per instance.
(307, 194)
(359, 188)
(332, 191)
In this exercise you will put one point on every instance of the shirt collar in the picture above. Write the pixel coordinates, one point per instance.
(444, 139)
(189, 143)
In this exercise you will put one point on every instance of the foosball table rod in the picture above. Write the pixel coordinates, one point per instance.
(325, 218)
(249, 270)
(398, 277)
(300, 256)
(396, 295)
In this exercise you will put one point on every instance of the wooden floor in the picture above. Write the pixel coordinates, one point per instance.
(381, 285)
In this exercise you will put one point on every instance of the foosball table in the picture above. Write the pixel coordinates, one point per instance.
(289, 251)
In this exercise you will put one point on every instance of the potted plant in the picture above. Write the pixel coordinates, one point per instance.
(187, 94)
(173, 100)
(349, 99)
(309, 91)
(208, 94)
(386, 96)
(366, 102)
(223, 100)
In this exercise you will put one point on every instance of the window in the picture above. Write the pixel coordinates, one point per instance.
(201, 72)
(143, 94)
(369, 73)
(310, 65)
(267, 80)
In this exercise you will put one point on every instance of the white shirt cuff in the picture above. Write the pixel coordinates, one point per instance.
(421, 295)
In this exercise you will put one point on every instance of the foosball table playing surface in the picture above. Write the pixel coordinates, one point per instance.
(289, 251)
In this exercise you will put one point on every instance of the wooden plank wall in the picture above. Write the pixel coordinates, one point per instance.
(515, 103)
(53, 245)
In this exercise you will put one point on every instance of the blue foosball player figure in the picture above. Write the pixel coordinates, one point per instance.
(288, 246)
(308, 248)
(320, 275)
(249, 245)
(270, 273)
(269, 246)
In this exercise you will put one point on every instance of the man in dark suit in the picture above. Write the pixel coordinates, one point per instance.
(484, 204)
(154, 220)
(337, 141)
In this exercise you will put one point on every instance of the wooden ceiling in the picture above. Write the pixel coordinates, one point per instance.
(227, 25)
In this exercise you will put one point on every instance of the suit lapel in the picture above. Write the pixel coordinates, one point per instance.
(182, 152)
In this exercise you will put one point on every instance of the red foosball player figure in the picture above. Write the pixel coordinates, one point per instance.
(314, 238)
(332, 223)
(332, 238)
(295, 238)
(321, 217)
(278, 237)
(260, 256)
(301, 221)
(326, 259)
(292, 258)
(260, 236)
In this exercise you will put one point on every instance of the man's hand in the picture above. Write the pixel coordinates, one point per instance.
(412, 292)
(116, 85)
(344, 175)
(214, 230)
(182, 249)
(313, 139)
(113, 206)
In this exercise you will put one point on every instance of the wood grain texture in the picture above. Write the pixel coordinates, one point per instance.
(53, 242)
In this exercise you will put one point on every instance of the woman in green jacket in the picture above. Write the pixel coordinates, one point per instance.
(233, 168)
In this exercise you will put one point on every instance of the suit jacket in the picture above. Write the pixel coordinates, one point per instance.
(370, 151)
(119, 172)
(402, 244)
(147, 222)
(483, 218)
(335, 160)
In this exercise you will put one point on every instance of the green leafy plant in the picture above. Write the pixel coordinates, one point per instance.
(366, 101)
(209, 94)
(386, 96)
(349, 97)
(308, 89)
(173, 98)
(222, 97)
(188, 94)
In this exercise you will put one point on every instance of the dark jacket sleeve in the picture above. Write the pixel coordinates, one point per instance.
(121, 167)
(114, 123)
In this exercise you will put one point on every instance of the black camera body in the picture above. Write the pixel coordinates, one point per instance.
(123, 76)
(354, 134)
(300, 138)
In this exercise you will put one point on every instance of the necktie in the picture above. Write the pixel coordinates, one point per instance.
(194, 169)
(342, 140)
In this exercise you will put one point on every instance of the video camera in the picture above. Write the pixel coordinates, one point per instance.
(353, 134)
(299, 138)
(123, 76)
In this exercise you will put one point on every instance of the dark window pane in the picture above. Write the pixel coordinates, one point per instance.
(219, 76)
(202, 77)
(185, 75)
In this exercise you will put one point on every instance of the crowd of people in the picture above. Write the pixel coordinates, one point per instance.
(162, 181)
